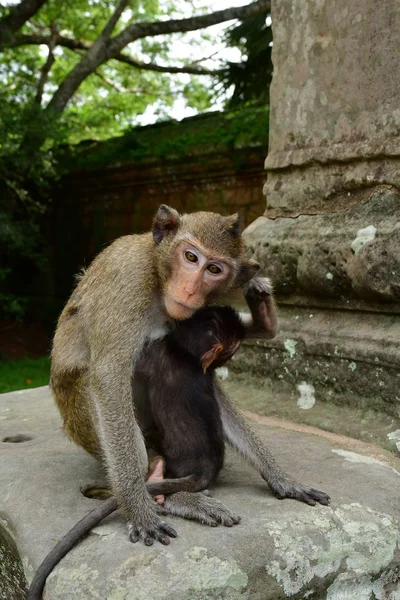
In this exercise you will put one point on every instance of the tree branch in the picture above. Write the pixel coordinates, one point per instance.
(122, 90)
(137, 31)
(147, 66)
(38, 39)
(109, 28)
(102, 51)
(17, 16)
(47, 65)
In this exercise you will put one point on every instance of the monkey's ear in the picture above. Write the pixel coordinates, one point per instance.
(234, 224)
(166, 219)
(208, 357)
(248, 269)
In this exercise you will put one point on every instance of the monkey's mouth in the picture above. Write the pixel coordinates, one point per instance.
(178, 310)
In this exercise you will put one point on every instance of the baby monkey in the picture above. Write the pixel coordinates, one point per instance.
(186, 431)
(187, 428)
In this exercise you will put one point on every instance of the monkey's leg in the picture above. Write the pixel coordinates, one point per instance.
(124, 448)
(156, 473)
(240, 436)
(263, 322)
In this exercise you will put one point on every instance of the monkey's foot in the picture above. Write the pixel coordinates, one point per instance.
(157, 474)
(297, 491)
(153, 530)
(201, 508)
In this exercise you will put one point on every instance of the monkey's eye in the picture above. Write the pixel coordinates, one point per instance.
(190, 256)
(214, 269)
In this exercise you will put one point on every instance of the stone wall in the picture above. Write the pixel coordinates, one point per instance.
(330, 237)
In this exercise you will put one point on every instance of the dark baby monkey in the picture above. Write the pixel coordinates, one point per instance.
(187, 432)
(187, 428)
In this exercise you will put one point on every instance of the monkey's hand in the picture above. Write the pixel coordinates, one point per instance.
(258, 288)
(201, 508)
(290, 489)
(263, 322)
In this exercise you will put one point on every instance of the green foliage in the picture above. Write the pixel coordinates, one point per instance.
(25, 178)
(106, 103)
(24, 373)
(115, 95)
(19, 252)
(251, 78)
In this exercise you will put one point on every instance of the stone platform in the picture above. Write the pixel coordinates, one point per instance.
(281, 549)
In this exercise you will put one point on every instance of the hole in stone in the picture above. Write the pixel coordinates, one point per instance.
(17, 439)
(96, 493)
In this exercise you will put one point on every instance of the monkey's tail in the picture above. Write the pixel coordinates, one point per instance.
(68, 541)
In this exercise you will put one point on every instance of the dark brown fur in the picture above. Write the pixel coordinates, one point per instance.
(187, 430)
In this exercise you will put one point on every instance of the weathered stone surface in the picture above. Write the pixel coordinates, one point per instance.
(12, 578)
(340, 355)
(337, 280)
(280, 550)
(352, 254)
(331, 242)
(335, 111)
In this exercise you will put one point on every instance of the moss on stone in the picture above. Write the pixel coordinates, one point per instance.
(216, 132)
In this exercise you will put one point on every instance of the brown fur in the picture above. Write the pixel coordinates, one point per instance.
(116, 306)
(100, 333)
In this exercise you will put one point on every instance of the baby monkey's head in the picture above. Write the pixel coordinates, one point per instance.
(212, 335)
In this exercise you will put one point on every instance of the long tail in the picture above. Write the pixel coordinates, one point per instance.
(190, 483)
(68, 541)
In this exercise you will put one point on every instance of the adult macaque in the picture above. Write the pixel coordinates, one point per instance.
(127, 297)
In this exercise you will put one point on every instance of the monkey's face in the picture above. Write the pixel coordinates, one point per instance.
(196, 275)
(199, 257)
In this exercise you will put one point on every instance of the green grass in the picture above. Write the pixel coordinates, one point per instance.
(24, 373)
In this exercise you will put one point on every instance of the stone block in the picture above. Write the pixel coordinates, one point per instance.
(281, 549)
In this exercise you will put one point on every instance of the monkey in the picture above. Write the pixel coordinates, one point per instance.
(129, 295)
(187, 429)
(186, 399)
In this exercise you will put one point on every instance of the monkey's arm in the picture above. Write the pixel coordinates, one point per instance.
(240, 436)
(263, 322)
(122, 441)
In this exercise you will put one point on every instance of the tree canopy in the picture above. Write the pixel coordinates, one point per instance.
(87, 69)
(101, 63)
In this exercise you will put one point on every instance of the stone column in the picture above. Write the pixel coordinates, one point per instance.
(330, 237)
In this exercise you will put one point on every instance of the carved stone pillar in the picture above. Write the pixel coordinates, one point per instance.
(330, 237)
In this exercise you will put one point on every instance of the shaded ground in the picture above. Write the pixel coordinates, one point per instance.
(23, 340)
(251, 393)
